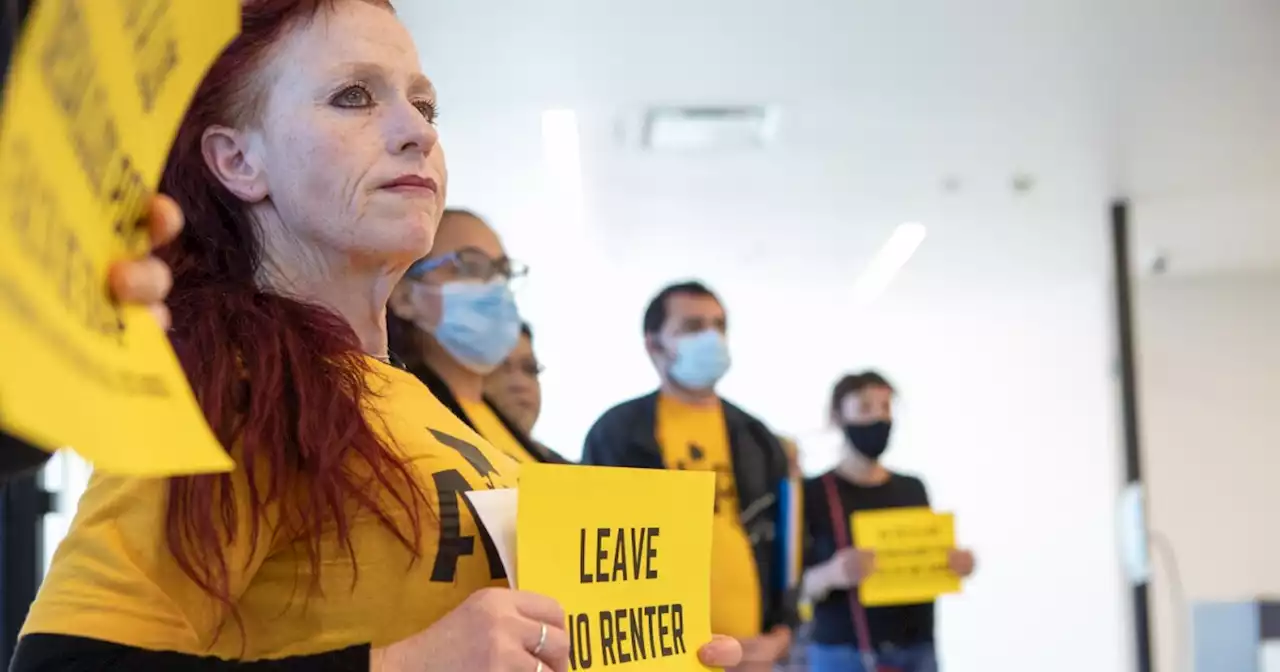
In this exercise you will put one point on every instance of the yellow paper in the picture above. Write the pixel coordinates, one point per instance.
(627, 552)
(96, 91)
(911, 547)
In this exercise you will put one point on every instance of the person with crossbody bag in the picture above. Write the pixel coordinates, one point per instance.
(848, 636)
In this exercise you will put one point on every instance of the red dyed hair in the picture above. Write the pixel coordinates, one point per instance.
(281, 382)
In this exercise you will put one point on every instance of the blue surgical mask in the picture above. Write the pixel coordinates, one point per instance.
(479, 324)
(701, 360)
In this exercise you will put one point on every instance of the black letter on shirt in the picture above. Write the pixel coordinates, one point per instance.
(452, 545)
(469, 453)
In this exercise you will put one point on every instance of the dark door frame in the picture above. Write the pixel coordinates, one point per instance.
(23, 506)
(23, 503)
(1122, 268)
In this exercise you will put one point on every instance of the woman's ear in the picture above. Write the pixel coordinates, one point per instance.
(232, 159)
(653, 344)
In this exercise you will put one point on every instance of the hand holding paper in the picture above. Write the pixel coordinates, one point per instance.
(494, 629)
(147, 281)
(95, 94)
(626, 552)
(913, 553)
(767, 648)
(852, 565)
(721, 651)
(961, 562)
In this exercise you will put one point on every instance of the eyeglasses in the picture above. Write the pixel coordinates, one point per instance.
(472, 264)
(528, 367)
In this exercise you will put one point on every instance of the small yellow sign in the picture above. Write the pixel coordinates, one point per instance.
(628, 554)
(96, 92)
(911, 546)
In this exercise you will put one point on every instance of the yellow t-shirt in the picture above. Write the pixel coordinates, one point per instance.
(113, 577)
(491, 428)
(695, 438)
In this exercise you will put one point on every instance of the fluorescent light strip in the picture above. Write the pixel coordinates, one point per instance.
(893, 255)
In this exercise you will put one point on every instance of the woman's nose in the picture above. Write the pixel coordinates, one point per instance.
(409, 131)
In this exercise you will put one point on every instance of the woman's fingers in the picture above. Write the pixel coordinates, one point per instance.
(145, 281)
(164, 220)
(162, 315)
(553, 650)
(721, 651)
(539, 608)
(544, 612)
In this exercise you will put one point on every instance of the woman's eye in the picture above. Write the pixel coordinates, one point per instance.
(353, 96)
(428, 110)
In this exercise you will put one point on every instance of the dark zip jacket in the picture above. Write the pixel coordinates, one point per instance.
(625, 436)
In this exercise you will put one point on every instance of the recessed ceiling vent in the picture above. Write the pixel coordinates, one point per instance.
(708, 128)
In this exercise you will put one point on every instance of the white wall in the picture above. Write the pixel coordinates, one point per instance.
(67, 476)
(1209, 351)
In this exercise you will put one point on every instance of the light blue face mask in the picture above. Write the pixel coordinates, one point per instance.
(479, 324)
(701, 360)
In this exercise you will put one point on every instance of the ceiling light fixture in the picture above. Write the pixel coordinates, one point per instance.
(709, 128)
(890, 259)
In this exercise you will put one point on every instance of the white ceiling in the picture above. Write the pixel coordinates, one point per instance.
(1197, 134)
(1172, 103)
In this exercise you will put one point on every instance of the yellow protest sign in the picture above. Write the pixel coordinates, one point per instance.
(911, 547)
(627, 552)
(96, 91)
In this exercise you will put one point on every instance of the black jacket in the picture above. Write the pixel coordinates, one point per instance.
(625, 436)
(445, 395)
(18, 458)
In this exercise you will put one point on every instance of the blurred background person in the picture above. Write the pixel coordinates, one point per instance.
(452, 321)
(901, 637)
(792, 451)
(513, 387)
(686, 425)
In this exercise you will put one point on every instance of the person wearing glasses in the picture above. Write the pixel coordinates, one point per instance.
(513, 387)
(452, 321)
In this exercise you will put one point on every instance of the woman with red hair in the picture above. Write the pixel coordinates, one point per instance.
(311, 177)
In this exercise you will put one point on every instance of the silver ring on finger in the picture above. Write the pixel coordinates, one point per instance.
(539, 668)
(542, 641)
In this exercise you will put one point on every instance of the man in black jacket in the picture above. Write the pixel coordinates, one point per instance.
(686, 425)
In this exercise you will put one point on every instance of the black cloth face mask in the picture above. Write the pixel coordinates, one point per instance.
(869, 440)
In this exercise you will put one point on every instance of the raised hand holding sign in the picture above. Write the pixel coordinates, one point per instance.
(95, 94)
